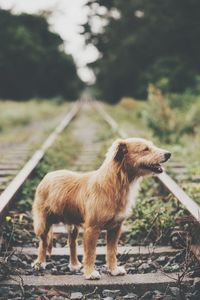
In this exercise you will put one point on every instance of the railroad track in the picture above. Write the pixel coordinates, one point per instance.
(148, 276)
(15, 153)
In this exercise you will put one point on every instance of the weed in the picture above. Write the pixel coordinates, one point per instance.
(155, 214)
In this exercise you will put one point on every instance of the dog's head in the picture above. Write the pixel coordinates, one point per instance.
(139, 156)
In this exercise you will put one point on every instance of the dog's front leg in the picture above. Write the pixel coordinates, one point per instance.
(91, 235)
(112, 241)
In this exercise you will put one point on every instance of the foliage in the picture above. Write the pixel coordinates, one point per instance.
(129, 103)
(161, 118)
(54, 159)
(168, 120)
(144, 42)
(155, 214)
(32, 62)
(18, 114)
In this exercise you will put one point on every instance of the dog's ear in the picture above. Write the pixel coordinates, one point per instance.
(121, 151)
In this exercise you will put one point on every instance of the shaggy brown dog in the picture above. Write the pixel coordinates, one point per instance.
(95, 200)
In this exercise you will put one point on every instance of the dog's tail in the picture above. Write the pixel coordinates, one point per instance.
(39, 218)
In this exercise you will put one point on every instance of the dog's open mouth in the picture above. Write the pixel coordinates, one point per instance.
(155, 168)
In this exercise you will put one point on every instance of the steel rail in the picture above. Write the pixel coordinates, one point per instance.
(166, 180)
(12, 189)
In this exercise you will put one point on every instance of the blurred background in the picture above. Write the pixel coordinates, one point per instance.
(141, 58)
(55, 47)
(143, 55)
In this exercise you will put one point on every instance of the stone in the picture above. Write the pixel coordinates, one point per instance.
(64, 267)
(131, 296)
(131, 259)
(14, 258)
(144, 267)
(63, 260)
(161, 260)
(111, 293)
(147, 296)
(76, 296)
(28, 294)
(168, 297)
(174, 291)
(28, 272)
(195, 295)
(54, 271)
(49, 266)
(131, 270)
(99, 262)
(157, 295)
(4, 290)
(196, 284)
(28, 259)
(189, 296)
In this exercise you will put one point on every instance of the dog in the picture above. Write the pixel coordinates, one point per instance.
(95, 200)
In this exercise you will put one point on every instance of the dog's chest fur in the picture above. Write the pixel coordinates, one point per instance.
(123, 211)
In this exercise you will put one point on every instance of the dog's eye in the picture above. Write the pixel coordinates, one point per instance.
(146, 149)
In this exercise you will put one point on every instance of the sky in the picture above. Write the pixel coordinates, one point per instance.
(67, 17)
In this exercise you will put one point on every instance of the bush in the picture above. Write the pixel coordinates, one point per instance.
(164, 121)
(182, 101)
(172, 116)
(129, 103)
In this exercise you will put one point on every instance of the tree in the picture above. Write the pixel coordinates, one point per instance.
(31, 60)
(144, 42)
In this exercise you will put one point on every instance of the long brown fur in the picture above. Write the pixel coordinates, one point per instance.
(94, 200)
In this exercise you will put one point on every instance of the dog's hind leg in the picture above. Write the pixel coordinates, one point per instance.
(91, 235)
(50, 241)
(41, 228)
(74, 263)
(112, 241)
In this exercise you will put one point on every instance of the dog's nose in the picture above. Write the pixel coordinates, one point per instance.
(167, 155)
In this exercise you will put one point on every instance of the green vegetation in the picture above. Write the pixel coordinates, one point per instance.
(32, 60)
(60, 156)
(155, 215)
(144, 42)
(171, 120)
(21, 121)
(13, 114)
(18, 227)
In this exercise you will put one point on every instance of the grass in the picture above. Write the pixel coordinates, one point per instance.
(180, 126)
(173, 126)
(20, 120)
(130, 117)
(14, 113)
(18, 227)
(60, 156)
(155, 215)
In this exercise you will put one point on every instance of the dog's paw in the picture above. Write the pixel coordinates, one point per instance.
(119, 270)
(75, 268)
(94, 275)
(38, 265)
